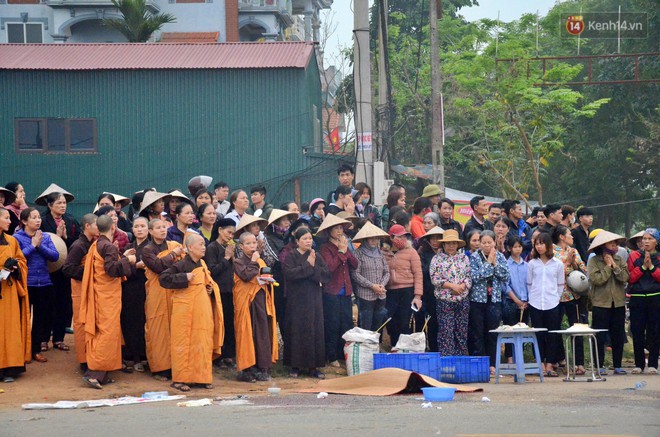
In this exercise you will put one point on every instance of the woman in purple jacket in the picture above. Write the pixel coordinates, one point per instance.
(38, 249)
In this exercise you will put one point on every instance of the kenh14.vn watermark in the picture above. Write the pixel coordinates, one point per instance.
(624, 25)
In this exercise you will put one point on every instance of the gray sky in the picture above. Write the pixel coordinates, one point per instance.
(341, 15)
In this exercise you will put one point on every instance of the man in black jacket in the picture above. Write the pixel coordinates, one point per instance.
(478, 220)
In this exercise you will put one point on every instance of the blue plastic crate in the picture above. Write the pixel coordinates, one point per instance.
(460, 370)
(423, 363)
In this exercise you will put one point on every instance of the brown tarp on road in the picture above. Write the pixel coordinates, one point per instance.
(383, 382)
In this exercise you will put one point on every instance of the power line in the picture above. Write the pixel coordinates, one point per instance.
(625, 203)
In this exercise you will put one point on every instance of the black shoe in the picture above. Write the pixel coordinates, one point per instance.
(246, 376)
(263, 375)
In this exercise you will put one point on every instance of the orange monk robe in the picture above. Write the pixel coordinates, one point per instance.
(158, 305)
(15, 341)
(244, 294)
(74, 268)
(197, 326)
(100, 305)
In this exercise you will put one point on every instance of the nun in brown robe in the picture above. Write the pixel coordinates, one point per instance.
(158, 256)
(305, 272)
(133, 296)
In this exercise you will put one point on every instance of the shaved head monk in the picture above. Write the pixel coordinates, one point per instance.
(74, 268)
(197, 327)
(100, 304)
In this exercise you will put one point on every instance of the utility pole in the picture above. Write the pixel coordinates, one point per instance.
(362, 83)
(385, 111)
(437, 122)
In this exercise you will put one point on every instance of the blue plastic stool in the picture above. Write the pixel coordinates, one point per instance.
(519, 369)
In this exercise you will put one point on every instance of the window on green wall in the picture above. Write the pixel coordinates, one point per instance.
(55, 135)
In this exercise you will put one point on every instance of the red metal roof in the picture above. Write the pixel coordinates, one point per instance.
(140, 56)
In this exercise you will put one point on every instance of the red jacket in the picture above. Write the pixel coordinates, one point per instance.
(340, 265)
(417, 226)
(642, 281)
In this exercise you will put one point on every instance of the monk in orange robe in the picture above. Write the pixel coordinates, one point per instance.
(197, 326)
(254, 315)
(73, 268)
(15, 344)
(158, 256)
(100, 304)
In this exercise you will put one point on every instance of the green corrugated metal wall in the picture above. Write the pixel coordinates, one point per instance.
(161, 127)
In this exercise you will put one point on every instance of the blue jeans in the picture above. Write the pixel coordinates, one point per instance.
(371, 313)
(337, 319)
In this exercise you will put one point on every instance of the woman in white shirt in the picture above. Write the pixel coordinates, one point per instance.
(545, 282)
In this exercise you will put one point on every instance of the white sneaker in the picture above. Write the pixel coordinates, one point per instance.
(636, 371)
(334, 363)
(651, 371)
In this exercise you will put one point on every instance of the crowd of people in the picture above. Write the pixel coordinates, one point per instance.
(177, 285)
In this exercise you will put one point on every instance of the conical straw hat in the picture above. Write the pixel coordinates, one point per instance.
(179, 195)
(60, 245)
(119, 198)
(277, 214)
(436, 230)
(632, 241)
(248, 219)
(53, 188)
(151, 197)
(10, 196)
(332, 220)
(605, 237)
(369, 230)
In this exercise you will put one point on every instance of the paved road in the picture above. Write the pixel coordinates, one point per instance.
(550, 408)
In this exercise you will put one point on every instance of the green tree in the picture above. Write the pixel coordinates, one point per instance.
(137, 24)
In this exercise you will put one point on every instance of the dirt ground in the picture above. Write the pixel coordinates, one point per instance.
(60, 379)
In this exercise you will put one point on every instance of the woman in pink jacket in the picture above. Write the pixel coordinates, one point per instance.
(406, 283)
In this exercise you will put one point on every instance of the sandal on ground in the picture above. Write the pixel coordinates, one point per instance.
(161, 378)
(44, 346)
(651, 370)
(109, 381)
(206, 386)
(493, 371)
(92, 382)
(126, 368)
(294, 374)
(580, 371)
(61, 346)
(39, 358)
(180, 386)
(620, 371)
(317, 374)
(551, 374)
(8, 379)
(138, 367)
(636, 371)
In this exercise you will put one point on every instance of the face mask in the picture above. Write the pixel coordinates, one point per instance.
(611, 251)
(365, 201)
(399, 243)
(280, 229)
